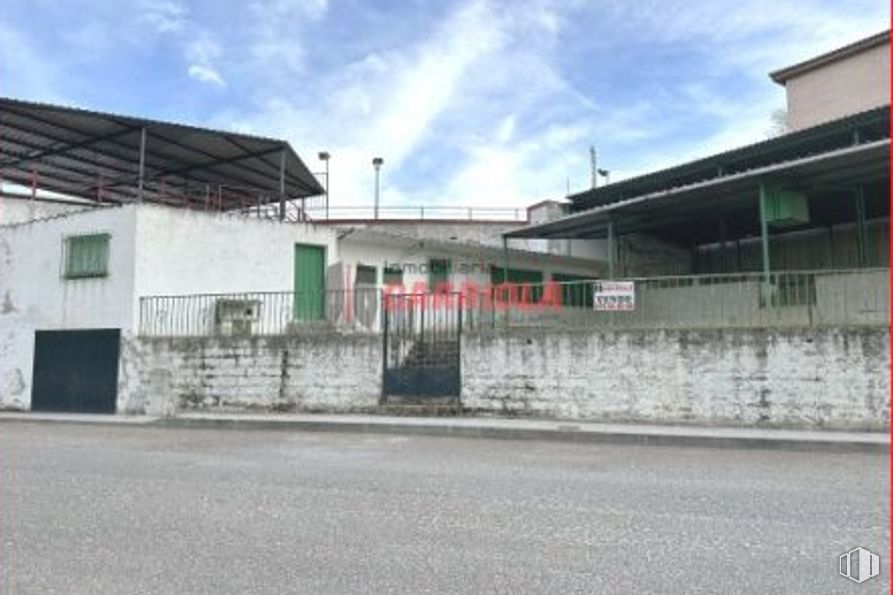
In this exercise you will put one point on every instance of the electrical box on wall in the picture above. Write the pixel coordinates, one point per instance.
(786, 208)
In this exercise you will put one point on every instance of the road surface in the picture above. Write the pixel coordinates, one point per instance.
(109, 509)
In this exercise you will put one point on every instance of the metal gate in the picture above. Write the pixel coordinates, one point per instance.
(76, 371)
(421, 347)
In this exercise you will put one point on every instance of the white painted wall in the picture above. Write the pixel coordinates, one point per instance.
(807, 379)
(815, 379)
(153, 250)
(36, 296)
(469, 263)
(20, 210)
(187, 252)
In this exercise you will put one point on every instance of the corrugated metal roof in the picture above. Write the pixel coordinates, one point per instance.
(871, 125)
(96, 155)
(839, 168)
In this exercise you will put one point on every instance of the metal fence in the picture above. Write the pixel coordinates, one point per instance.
(259, 313)
(856, 297)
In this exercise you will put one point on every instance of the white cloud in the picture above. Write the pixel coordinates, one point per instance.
(484, 105)
(425, 88)
(203, 52)
(206, 74)
(165, 16)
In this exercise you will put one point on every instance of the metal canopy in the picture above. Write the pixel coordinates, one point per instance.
(98, 156)
(863, 127)
(735, 197)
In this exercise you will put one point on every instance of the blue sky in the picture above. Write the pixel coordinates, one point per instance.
(469, 102)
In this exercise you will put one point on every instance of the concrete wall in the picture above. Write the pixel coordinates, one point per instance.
(550, 210)
(468, 263)
(490, 233)
(20, 210)
(840, 88)
(36, 296)
(834, 379)
(643, 255)
(804, 379)
(834, 248)
(474, 232)
(311, 372)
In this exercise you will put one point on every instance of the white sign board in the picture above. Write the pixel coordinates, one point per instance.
(614, 296)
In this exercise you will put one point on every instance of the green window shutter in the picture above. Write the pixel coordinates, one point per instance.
(438, 272)
(393, 275)
(519, 277)
(87, 256)
(576, 290)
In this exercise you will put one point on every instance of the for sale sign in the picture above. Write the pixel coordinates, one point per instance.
(614, 296)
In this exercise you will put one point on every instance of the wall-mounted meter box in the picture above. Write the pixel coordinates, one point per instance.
(786, 208)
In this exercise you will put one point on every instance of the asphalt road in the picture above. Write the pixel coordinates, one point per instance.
(107, 509)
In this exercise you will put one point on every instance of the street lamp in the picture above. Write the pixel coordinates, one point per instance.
(376, 163)
(606, 174)
(324, 157)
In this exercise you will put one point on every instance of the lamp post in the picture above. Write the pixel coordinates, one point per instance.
(606, 174)
(324, 157)
(376, 163)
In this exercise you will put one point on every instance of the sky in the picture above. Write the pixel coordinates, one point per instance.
(469, 102)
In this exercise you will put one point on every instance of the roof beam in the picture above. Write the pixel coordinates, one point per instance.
(234, 161)
(67, 147)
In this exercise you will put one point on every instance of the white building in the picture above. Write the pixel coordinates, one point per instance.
(121, 269)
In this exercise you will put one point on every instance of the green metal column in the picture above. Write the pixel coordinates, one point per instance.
(505, 259)
(764, 230)
(610, 248)
(505, 276)
(860, 229)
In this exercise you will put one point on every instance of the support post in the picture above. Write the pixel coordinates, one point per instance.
(505, 259)
(860, 230)
(610, 248)
(282, 185)
(142, 171)
(505, 279)
(327, 189)
(764, 230)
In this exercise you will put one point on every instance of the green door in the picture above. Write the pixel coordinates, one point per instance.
(309, 282)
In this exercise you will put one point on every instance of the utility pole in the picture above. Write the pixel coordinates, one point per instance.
(325, 156)
(376, 163)
(592, 166)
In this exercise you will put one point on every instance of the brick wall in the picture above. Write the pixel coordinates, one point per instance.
(814, 379)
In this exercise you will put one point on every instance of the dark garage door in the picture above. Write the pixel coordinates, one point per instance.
(76, 371)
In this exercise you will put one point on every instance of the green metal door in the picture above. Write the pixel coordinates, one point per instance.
(309, 282)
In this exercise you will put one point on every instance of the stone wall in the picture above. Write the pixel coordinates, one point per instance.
(806, 379)
(311, 372)
(835, 379)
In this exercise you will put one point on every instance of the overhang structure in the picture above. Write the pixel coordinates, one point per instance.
(842, 167)
(111, 158)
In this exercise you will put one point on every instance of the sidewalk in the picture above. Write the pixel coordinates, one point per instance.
(498, 428)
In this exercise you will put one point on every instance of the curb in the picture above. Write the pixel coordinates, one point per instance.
(568, 433)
